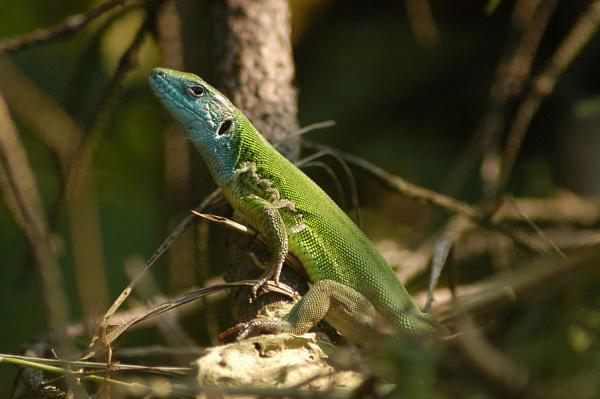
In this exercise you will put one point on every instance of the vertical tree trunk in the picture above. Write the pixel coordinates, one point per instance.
(244, 48)
(255, 67)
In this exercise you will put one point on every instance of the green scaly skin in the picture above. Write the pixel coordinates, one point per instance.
(353, 287)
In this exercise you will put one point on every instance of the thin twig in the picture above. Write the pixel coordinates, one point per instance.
(537, 229)
(112, 332)
(59, 132)
(442, 255)
(130, 386)
(40, 112)
(191, 389)
(22, 188)
(421, 22)
(68, 26)
(104, 107)
(290, 259)
(511, 74)
(89, 58)
(332, 176)
(420, 259)
(564, 208)
(168, 324)
(494, 364)
(398, 184)
(427, 196)
(149, 263)
(543, 85)
(306, 129)
(349, 177)
(483, 296)
(160, 350)
(102, 366)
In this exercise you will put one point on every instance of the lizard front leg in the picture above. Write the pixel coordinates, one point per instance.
(267, 219)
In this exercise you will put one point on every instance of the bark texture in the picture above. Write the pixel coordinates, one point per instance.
(243, 47)
(255, 67)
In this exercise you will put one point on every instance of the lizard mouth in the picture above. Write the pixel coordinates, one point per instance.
(225, 127)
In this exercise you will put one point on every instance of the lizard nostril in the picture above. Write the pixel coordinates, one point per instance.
(161, 74)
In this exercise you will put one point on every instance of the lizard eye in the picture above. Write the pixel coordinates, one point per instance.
(196, 91)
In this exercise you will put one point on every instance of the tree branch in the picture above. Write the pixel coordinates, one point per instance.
(68, 26)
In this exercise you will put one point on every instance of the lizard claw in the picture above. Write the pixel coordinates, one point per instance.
(264, 279)
(245, 329)
(235, 330)
(258, 285)
(266, 276)
(240, 330)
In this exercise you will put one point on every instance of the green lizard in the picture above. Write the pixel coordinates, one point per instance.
(353, 287)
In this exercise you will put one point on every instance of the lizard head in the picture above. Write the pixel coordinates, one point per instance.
(207, 116)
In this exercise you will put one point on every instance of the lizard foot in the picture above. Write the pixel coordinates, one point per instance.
(251, 328)
(265, 277)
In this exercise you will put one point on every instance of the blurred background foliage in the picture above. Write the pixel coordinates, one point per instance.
(408, 104)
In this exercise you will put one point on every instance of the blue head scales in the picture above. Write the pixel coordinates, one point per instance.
(206, 115)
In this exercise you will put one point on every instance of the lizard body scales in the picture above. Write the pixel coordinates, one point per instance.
(352, 284)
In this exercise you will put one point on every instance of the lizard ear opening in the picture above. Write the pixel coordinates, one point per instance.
(225, 127)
